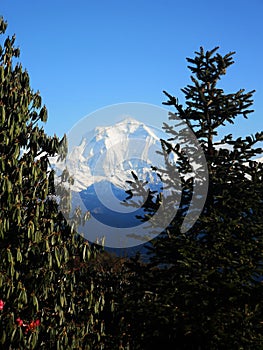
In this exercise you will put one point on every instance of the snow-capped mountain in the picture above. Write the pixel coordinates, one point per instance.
(110, 154)
(101, 163)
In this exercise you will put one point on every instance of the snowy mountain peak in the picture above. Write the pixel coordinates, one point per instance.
(125, 127)
(111, 152)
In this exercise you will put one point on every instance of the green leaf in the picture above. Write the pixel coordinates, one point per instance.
(35, 302)
(19, 255)
(57, 256)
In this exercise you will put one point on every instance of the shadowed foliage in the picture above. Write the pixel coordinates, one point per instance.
(49, 300)
(202, 289)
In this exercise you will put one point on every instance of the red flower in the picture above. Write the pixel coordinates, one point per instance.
(1, 304)
(19, 322)
(28, 327)
(37, 323)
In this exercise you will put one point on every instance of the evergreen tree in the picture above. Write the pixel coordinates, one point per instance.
(47, 297)
(202, 289)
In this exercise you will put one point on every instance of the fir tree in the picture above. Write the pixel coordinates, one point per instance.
(202, 289)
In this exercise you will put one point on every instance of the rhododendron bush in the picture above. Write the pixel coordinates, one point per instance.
(48, 299)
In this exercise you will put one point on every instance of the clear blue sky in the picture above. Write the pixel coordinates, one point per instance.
(83, 55)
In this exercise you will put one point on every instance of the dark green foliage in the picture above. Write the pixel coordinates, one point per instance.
(44, 265)
(200, 289)
(203, 289)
